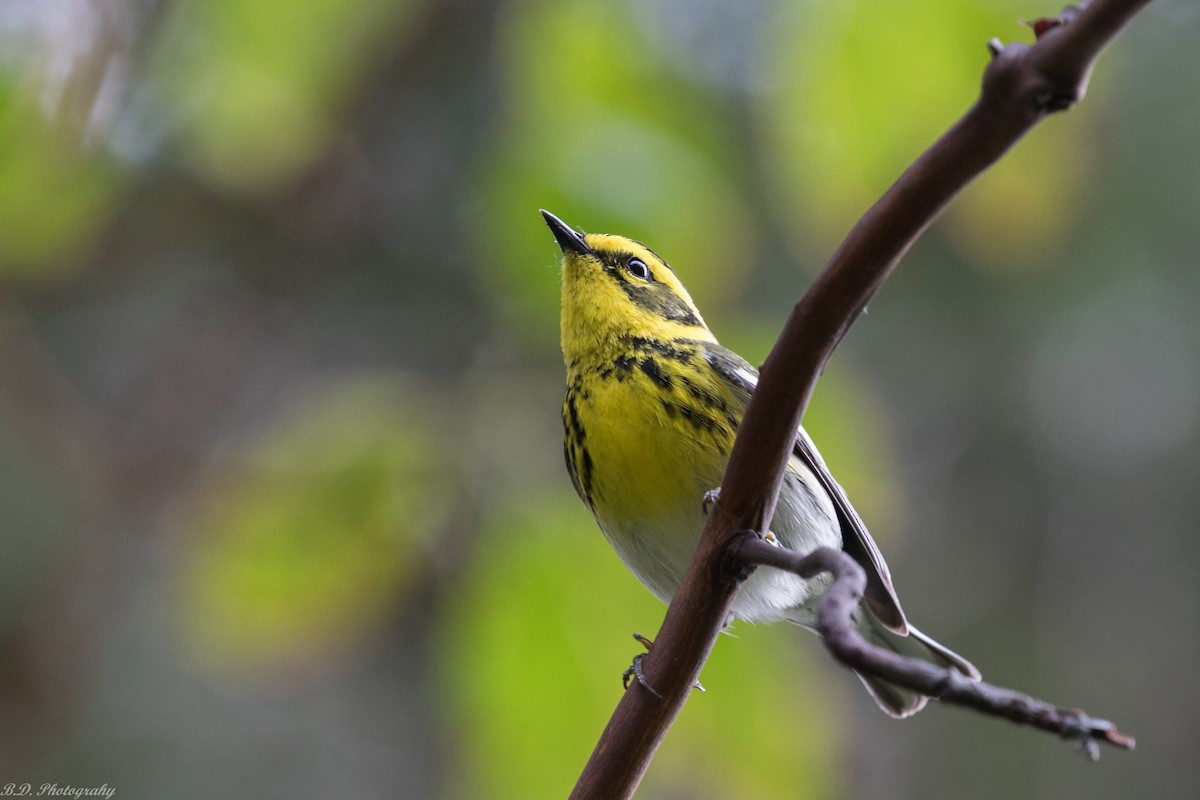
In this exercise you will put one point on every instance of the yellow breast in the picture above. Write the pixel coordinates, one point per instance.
(648, 430)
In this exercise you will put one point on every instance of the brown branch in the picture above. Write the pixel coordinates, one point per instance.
(1021, 85)
(849, 647)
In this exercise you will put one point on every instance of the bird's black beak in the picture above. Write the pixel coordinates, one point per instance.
(568, 239)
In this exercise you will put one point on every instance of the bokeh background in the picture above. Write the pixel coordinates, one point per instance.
(282, 505)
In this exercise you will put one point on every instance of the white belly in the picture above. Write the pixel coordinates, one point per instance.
(658, 550)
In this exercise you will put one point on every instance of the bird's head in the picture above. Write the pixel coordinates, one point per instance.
(615, 288)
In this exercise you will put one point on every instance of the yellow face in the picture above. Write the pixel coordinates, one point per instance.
(615, 288)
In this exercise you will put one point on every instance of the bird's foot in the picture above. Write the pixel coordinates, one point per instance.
(635, 669)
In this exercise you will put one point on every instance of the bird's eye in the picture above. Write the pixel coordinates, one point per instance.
(638, 267)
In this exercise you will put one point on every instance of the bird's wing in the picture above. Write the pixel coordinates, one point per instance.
(856, 540)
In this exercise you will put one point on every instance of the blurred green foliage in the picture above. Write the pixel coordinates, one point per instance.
(53, 195)
(281, 490)
(310, 537)
(872, 86)
(232, 70)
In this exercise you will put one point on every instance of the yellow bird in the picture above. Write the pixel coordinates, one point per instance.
(652, 407)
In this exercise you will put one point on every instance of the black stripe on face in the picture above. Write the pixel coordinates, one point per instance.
(650, 295)
(657, 298)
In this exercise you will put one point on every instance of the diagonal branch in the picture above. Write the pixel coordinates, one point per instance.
(849, 647)
(1021, 85)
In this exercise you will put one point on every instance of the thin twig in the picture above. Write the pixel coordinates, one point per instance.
(1022, 84)
(836, 627)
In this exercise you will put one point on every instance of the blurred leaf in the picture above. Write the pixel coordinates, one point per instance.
(768, 726)
(308, 546)
(260, 85)
(536, 641)
(865, 88)
(1020, 213)
(53, 192)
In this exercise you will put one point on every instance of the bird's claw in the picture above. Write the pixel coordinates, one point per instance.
(710, 499)
(635, 669)
(634, 672)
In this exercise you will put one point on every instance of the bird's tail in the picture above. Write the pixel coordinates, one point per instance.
(897, 701)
